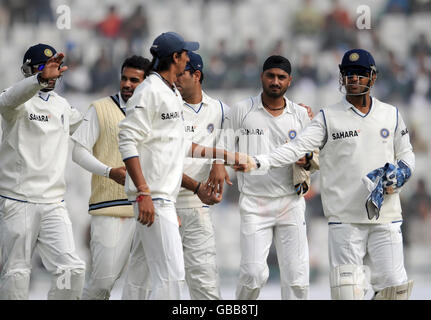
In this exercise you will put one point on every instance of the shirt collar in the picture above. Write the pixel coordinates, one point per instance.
(122, 102)
(348, 105)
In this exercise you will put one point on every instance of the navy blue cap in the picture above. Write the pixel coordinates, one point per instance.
(358, 59)
(195, 62)
(38, 53)
(169, 42)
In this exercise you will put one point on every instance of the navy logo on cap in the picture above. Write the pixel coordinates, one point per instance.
(384, 133)
(354, 56)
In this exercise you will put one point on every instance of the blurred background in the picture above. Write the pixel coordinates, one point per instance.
(235, 38)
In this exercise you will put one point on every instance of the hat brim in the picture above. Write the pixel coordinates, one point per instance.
(191, 46)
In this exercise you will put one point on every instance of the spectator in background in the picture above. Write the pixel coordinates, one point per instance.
(338, 27)
(421, 5)
(217, 76)
(417, 207)
(278, 49)
(247, 65)
(110, 26)
(398, 6)
(40, 11)
(307, 21)
(306, 69)
(397, 83)
(135, 29)
(103, 76)
(421, 45)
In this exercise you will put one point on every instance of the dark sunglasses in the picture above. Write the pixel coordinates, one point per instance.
(356, 72)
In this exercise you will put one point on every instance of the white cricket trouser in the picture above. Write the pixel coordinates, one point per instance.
(24, 226)
(262, 220)
(138, 280)
(380, 244)
(197, 234)
(163, 251)
(110, 245)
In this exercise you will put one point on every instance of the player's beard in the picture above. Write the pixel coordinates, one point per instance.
(274, 94)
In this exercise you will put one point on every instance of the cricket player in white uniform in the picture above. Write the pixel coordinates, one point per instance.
(112, 219)
(203, 120)
(152, 144)
(356, 136)
(36, 125)
(270, 208)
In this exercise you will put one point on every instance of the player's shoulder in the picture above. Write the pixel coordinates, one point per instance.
(214, 102)
(58, 98)
(246, 104)
(296, 108)
(383, 105)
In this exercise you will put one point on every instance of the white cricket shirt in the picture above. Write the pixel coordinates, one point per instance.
(153, 130)
(202, 125)
(34, 147)
(256, 131)
(352, 144)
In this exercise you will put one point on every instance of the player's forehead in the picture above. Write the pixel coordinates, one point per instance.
(275, 72)
(130, 72)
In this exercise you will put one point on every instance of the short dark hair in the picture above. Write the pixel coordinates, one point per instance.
(136, 62)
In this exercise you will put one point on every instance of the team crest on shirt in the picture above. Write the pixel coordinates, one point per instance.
(292, 134)
(384, 133)
(210, 128)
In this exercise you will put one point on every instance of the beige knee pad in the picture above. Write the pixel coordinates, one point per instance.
(349, 282)
(400, 292)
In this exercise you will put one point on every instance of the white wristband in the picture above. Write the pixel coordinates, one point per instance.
(107, 171)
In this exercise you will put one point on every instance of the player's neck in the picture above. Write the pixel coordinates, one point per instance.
(169, 77)
(195, 97)
(362, 103)
(275, 106)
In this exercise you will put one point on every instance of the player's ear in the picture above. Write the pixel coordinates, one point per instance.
(289, 80)
(197, 74)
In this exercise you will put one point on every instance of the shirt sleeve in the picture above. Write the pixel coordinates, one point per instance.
(88, 131)
(86, 160)
(75, 119)
(402, 147)
(310, 138)
(229, 135)
(136, 126)
(18, 94)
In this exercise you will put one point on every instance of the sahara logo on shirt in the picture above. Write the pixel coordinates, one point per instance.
(345, 134)
(170, 115)
(251, 132)
(39, 117)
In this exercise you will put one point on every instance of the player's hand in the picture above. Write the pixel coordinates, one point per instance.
(217, 177)
(118, 175)
(248, 166)
(53, 69)
(207, 195)
(302, 162)
(309, 111)
(146, 211)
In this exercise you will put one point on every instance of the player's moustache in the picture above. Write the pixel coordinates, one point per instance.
(274, 86)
